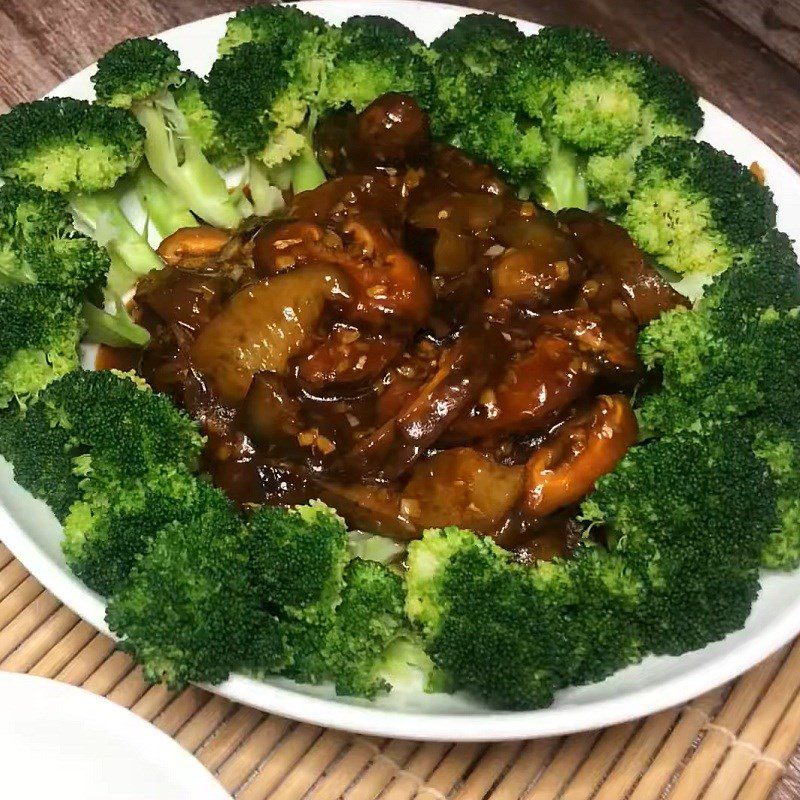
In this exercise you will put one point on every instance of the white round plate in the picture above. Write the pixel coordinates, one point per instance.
(60, 741)
(30, 531)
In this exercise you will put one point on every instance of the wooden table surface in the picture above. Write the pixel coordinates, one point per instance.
(743, 55)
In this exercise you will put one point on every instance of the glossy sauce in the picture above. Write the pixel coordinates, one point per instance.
(409, 342)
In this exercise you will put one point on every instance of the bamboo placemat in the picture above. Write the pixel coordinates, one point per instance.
(735, 743)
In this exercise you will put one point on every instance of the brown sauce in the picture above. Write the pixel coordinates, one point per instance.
(409, 343)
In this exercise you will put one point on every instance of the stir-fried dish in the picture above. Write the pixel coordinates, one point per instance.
(409, 342)
(460, 366)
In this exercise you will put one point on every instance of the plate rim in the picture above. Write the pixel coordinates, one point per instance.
(490, 725)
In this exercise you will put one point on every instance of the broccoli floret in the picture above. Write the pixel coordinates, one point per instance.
(670, 104)
(546, 63)
(282, 26)
(375, 55)
(102, 426)
(766, 276)
(469, 56)
(471, 108)
(734, 358)
(297, 557)
(303, 43)
(597, 109)
(513, 634)
(495, 136)
(705, 377)
(80, 150)
(139, 74)
(40, 330)
(689, 515)
(604, 106)
(119, 426)
(560, 81)
(368, 619)
(68, 145)
(187, 612)
(610, 178)
(41, 456)
(337, 618)
(202, 122)
(779, 447)
(39, 243)
(112, 523)
(287, 54)
(669, 107)
(732, 355)
(694, 208)
(597, 100)
(260, 108)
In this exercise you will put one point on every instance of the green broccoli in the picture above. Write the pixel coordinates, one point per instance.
(695, 209)
(187, 612)
(41, 456)
(302, 42)
(368, 619)
(779, 447)
(689, 516)
(297, 558)
(261, 105)
(375, 55)
(40, 330)
(118, 426)
(340, 618)
(202, 122)
(598, 108)
(732, 355)
(80, 150)
(468, 57)
(113, 522)
(138, 74)
(513, 634)
(39, 243)
(282, 26)
(107, 427)
(669, 107)
(555, 81)
(470, 108)
(40, 247)
(545, 64)
(734, 358)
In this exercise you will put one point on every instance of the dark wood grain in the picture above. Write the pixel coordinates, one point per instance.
(727, 57)
(775, 23)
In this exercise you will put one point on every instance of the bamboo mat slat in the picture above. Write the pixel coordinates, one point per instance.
(735, 743)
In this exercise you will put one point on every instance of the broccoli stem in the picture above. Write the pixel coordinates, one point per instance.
(561, 183)
(164, 208)
(112, 229)
(266, 197)
(307, 173)
(179, 162)
(116, 329)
